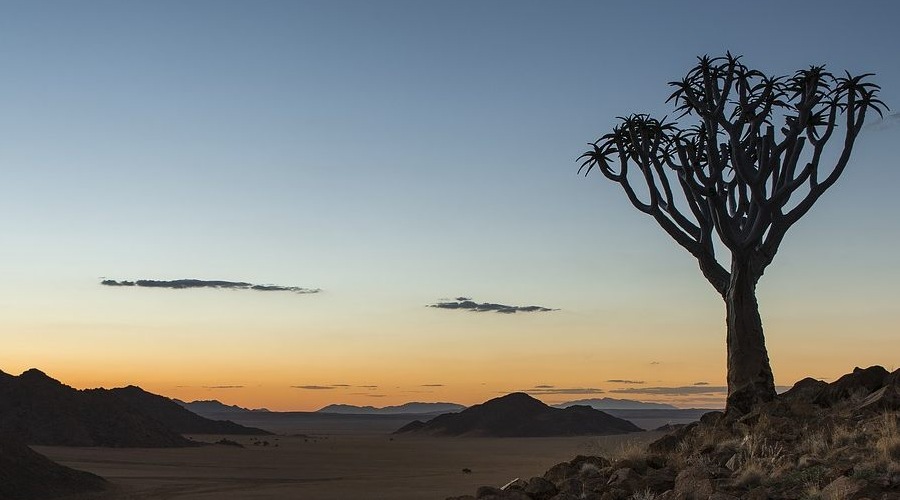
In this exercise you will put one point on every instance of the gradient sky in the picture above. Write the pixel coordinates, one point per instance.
(395, 153)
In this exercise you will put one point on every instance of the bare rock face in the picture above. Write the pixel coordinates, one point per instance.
(806, 390)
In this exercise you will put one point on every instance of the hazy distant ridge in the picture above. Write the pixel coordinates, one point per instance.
(412, 407)
(616, 404)
(214, 406)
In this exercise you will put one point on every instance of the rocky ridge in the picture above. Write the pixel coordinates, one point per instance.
(816, 441)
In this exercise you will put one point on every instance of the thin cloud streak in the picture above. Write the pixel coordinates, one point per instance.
(467, 304)
(623, 381)
(182, 284)
(313, 387)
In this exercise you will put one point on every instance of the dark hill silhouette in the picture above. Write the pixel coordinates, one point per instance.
(26, 474)
(176, 417)
(41, 410)
(520, 415)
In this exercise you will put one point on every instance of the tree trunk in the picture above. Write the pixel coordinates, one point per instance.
(750, 378)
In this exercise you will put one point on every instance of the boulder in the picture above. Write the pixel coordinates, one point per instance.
(670, 442)
(695, 483)
(858, 384)
(540, 489)
(806, 390)
(885, 399)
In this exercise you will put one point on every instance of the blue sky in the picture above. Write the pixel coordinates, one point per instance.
(392, 154)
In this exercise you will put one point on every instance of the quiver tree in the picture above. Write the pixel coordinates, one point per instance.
(750, 164)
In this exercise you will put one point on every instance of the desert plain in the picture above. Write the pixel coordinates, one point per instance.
(337, 466)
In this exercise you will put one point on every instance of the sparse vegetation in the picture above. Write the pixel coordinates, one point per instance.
(829, 442)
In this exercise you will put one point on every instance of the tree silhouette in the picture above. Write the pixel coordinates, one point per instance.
(734, 176)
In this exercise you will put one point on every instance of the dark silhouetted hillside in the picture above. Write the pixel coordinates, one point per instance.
(27, 475)
(520, 415)
(178, 418)
(41, 410)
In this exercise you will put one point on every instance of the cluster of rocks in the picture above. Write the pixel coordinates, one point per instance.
(818, 440)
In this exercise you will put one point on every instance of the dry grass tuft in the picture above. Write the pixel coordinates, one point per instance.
(643, 495)
(630, 450)
(887, 442)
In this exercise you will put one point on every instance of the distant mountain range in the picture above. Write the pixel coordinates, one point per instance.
(40, 410)
(520, 415)
(414, 407)
(214, 406)
(616, 404)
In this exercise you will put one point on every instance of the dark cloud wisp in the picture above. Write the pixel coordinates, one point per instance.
(467, 304)
(218, 284)
(624, 381)
(223, 387)
(313, 387)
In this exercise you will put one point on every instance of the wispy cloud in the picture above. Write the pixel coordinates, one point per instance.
(432, 385)
(673, 391)
(624, 381)
(544, 386)
(182, 284)
(888, 122)
(313, 387)
(223, 387)
(367, 387)
(467, 304)
(701, 383)
(538, 390)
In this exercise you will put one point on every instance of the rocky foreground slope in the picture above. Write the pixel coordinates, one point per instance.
(27, 475)
(520, 415)
(816, 441)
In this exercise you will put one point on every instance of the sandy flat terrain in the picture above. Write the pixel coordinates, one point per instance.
(332, 466)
